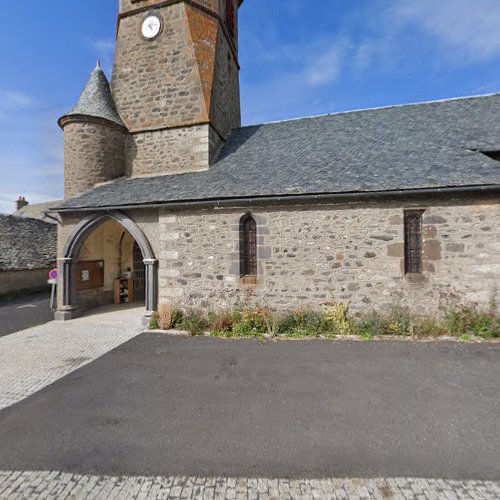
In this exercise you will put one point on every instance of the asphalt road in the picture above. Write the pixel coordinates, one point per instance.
(24, 312)
(199, 406)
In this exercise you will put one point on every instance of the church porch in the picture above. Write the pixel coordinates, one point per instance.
(106, 260)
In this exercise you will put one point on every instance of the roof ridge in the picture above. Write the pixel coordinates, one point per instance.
(377, 108)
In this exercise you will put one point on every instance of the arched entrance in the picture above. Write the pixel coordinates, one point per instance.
(145, 277)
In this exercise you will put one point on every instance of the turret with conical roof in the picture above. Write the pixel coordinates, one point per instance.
(94, 138)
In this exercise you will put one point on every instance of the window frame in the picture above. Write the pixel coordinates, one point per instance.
(248, 247)
(413, 242)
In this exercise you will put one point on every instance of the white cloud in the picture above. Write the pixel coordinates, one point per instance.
(13, 101)
(468, 29)
(326, 67)
(105, 49)
(31, 152)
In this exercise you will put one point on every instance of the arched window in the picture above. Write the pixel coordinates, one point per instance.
(248, 246)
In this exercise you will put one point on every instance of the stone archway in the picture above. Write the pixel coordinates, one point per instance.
(67, 264)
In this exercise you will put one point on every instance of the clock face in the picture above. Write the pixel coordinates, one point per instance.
(151, 27)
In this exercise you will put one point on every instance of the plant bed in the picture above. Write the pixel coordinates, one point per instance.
(333, 322)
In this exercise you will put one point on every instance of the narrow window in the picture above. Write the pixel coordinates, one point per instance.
(230, 16)
(248, 246)
(413, 241)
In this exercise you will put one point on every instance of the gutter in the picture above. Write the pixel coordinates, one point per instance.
(295, 199)
(47, 214)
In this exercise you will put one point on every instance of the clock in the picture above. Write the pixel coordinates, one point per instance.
(151, 26)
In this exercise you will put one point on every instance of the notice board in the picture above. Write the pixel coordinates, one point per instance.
(89, 275)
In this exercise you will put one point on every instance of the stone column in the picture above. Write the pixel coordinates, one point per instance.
(151, 286)
(68, 310)
(67, 281)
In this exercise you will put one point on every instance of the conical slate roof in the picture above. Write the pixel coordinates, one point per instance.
(96, 99)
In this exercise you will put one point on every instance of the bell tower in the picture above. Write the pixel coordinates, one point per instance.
(176, 82)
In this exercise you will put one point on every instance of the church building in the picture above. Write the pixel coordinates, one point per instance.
(168, 199)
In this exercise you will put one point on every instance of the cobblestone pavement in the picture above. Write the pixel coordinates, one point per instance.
(34, 358)
(18, 485)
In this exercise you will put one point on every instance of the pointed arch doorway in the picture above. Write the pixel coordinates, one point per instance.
(74, 298)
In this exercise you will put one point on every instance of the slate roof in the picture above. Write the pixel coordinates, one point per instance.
(26, 243)
(96, 99)
(37, 210)
(417, 146)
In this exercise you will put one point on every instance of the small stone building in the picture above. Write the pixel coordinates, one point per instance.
(27, 253)
(398, 205)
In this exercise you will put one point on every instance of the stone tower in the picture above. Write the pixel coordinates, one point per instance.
(176, 82)
(94, 138)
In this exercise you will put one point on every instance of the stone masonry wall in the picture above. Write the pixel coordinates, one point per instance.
(225, 107)
(345, 253)
(26, 243)
(93, 153)
(218, 69)
(218, 7)
(171, 151)
(13, 282)
(156, 84)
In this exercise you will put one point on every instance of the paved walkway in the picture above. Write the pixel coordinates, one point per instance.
(34, 358)
(17, 485)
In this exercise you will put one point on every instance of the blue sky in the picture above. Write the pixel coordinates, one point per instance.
(298, 58)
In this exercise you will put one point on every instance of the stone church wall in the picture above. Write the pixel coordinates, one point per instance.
(318, 254)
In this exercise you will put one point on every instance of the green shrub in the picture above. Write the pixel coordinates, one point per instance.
(153, 323)
(336, 319)
(244, 329)
(177, 317)
(194, 322)
(399, 322)
(371, 324)
(301, 323)
(468, 321)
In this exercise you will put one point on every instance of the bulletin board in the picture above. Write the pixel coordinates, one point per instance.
(89, 275)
